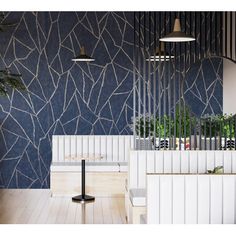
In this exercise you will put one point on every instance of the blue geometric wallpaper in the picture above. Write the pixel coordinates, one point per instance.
(203, 87)
(64, 97)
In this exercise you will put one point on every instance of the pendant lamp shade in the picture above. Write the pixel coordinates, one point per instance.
(177, 35)
(160, 54)
(83, 56)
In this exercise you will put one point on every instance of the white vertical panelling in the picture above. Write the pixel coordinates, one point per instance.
(151, 162)
(202, 162)
(85, 143)
(193, 161)
(184, 162)
(104, 147)
(176, 162)
(219, 158)
(187, 161)
(167, 161)
(67, 148)
(165, 199)
(191, 204)
(210, 160)
(121, 146)
(55, 155)
(115, 150)
(73, 146)
(127, 148)
(91, 147)
(133, 170)
(97, 145)
(233, 159)
(203, 199)
(191, 199)
(178, 197)
(228, 199)
(109, 149)
(79, 145)
(153, 199)
(61, 149)
(216, 214)
(142, 169)
(227, 161)
(159, 165)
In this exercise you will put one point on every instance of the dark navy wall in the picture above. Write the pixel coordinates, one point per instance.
(64, 97)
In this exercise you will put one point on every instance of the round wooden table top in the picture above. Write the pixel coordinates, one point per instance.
(83, 157)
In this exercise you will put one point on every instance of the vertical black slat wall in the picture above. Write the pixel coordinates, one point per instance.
(156, 79)
(134, 80)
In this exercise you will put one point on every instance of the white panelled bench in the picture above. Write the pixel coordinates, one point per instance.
(142, 162)
(191, 199)
(104, 177)
(114, 150)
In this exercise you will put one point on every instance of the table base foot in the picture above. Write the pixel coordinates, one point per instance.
(83, 198)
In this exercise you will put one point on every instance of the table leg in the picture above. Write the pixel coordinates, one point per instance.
(83, 197)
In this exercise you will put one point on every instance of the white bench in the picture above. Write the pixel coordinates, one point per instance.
(191, 199)
(142, 162)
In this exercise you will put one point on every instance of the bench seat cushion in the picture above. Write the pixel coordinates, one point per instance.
(138, 196)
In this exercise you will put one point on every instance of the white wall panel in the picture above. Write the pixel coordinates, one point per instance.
(176, 162)
(178, 199)
(165, 199)
(181, 161)
(113, 148)
(229, 200)
(203, 200)
(202, 161)
(159, 161)
(153, 197)
(184, 162)
(55, 149)
(216, 199)
(191, 199)
(191, 202)
(142, 161)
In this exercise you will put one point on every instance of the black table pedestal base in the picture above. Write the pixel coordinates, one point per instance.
(83, 198)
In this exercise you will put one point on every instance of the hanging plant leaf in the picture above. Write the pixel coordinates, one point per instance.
(3, 91)
(5, 25)
(8, 79)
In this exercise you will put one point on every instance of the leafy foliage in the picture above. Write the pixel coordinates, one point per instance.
(165, 126)
(5, 25)
(9, 80)
(218, 124)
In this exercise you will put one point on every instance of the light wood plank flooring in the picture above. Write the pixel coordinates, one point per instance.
(36, 206)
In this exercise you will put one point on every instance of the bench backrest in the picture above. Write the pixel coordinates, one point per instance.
(142, 162)
(113, 148)
(191, 199)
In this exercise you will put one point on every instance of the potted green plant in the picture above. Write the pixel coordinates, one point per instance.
(217, 129)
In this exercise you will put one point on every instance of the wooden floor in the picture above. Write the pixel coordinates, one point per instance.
(36, 206)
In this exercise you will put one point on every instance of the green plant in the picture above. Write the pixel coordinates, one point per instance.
(144, 130)
(216, 170)
(183, 120)
(164, 126)
(215, 125)
(7, 80)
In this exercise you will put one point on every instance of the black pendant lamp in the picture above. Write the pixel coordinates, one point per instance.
(83, 56)
(177, 35)
(160, 54)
